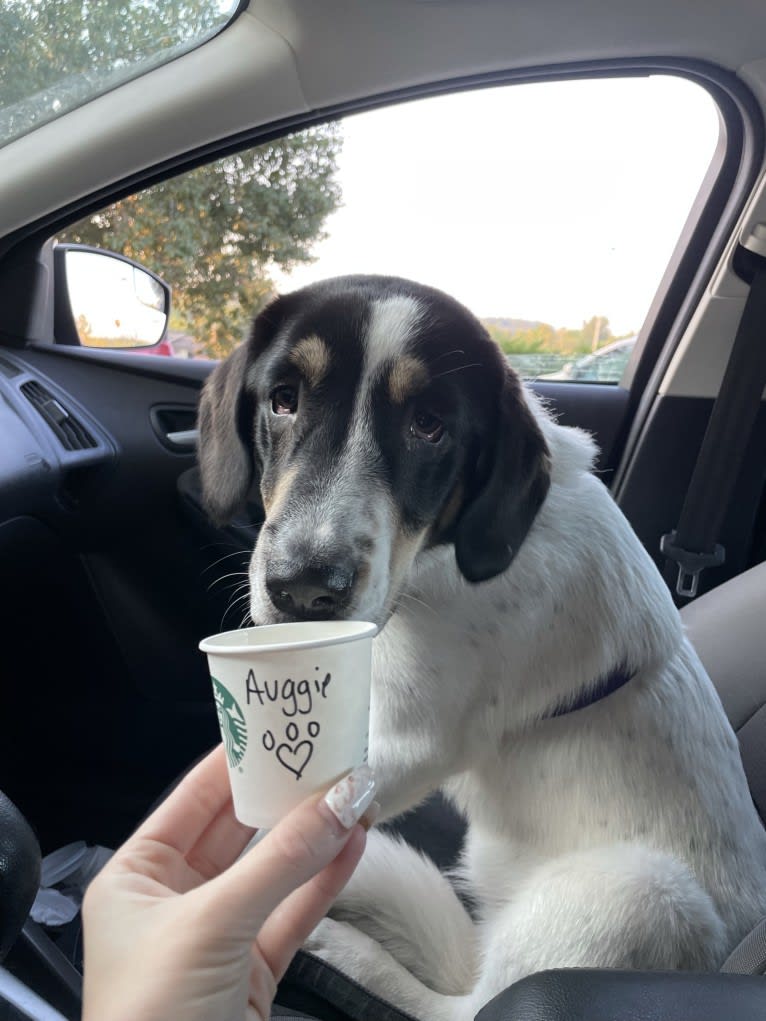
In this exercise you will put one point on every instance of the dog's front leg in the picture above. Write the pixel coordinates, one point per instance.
(420, 711)
(410, 761)
(402, 780)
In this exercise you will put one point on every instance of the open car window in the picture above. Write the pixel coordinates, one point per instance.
(551, 210)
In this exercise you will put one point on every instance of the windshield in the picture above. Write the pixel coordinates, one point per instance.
(56, 55)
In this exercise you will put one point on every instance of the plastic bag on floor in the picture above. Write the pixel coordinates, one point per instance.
(64, 877)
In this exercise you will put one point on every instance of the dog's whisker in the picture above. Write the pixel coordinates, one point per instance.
(224, 577)
(232, 574)
(237, 553)
(218, 545)
(447, 354)
(241, 592)
(422, 602)
(232, 606)
(397, 603)
(221, 543)
(459, 368)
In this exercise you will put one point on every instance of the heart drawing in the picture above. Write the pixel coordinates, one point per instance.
(295, 757)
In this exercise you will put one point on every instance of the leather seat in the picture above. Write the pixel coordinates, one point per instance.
(727, 627)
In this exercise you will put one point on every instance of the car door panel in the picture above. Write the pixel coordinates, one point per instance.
(111, 591)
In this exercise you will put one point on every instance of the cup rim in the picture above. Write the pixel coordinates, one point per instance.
(219, 646)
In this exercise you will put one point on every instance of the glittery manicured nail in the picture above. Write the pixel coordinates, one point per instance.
(368, 819)
(349, 798)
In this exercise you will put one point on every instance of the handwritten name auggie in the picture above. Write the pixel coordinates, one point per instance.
(298, 699)
(298, 696)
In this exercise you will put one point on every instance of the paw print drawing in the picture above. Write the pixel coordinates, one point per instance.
(294, 753)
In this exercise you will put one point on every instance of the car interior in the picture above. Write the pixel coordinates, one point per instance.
(112, 572)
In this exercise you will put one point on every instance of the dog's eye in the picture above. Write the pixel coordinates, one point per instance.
(427, 426)
(284, 400)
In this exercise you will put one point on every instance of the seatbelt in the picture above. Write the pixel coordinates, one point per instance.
(692, 546)
(749, 956)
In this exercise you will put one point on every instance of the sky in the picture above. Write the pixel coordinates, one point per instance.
(552, 202)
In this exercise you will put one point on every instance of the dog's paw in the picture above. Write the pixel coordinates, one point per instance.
(359, 957)
(345, 948)
(330, 940)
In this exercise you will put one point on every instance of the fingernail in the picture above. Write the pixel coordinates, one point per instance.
(351, 796)
(368, 819)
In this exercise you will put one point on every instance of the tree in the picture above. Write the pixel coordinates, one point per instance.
(597, 331)
(540, 337)
(59, 53)
(217, 232)
(214, 234)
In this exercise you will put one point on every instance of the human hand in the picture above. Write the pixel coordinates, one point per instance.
(176, 927)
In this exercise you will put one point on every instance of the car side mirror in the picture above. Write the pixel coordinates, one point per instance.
(105, 300)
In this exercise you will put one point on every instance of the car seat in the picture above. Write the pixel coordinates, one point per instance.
(727, 627)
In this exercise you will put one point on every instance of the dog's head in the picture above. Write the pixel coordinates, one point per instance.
(376, 418)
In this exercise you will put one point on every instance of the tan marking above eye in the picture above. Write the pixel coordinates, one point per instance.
(311, 357)
(407, 377)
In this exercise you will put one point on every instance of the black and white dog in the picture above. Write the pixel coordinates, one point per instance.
(531, 662)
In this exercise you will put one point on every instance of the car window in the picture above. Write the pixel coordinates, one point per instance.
(550, 210)
(58, 54)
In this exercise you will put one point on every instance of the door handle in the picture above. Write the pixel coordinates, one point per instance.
(175, 426)
(183, 437)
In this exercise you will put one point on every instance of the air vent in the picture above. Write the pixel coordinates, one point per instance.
(72, 434)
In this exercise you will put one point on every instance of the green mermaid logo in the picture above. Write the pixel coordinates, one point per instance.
(231, 722)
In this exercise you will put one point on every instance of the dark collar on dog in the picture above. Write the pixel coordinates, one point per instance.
(605, 686)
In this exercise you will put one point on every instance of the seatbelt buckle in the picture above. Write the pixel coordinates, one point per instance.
(690, 565)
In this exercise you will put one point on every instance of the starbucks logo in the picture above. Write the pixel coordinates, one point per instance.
(232, 724)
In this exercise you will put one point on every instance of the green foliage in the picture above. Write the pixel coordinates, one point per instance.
(593, 334)
(537, 338)
(215, 233)
(57, 53)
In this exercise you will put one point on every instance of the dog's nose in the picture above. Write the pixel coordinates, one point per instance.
(314, 593)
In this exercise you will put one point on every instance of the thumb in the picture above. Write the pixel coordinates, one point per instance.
(299, 847)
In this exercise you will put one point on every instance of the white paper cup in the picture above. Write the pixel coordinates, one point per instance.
(293, 704)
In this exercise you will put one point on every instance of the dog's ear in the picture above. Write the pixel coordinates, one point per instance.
(225, 447)
(499, 512)
(226, 422)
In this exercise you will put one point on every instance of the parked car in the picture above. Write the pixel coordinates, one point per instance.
(111, 571)
(603, 366)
